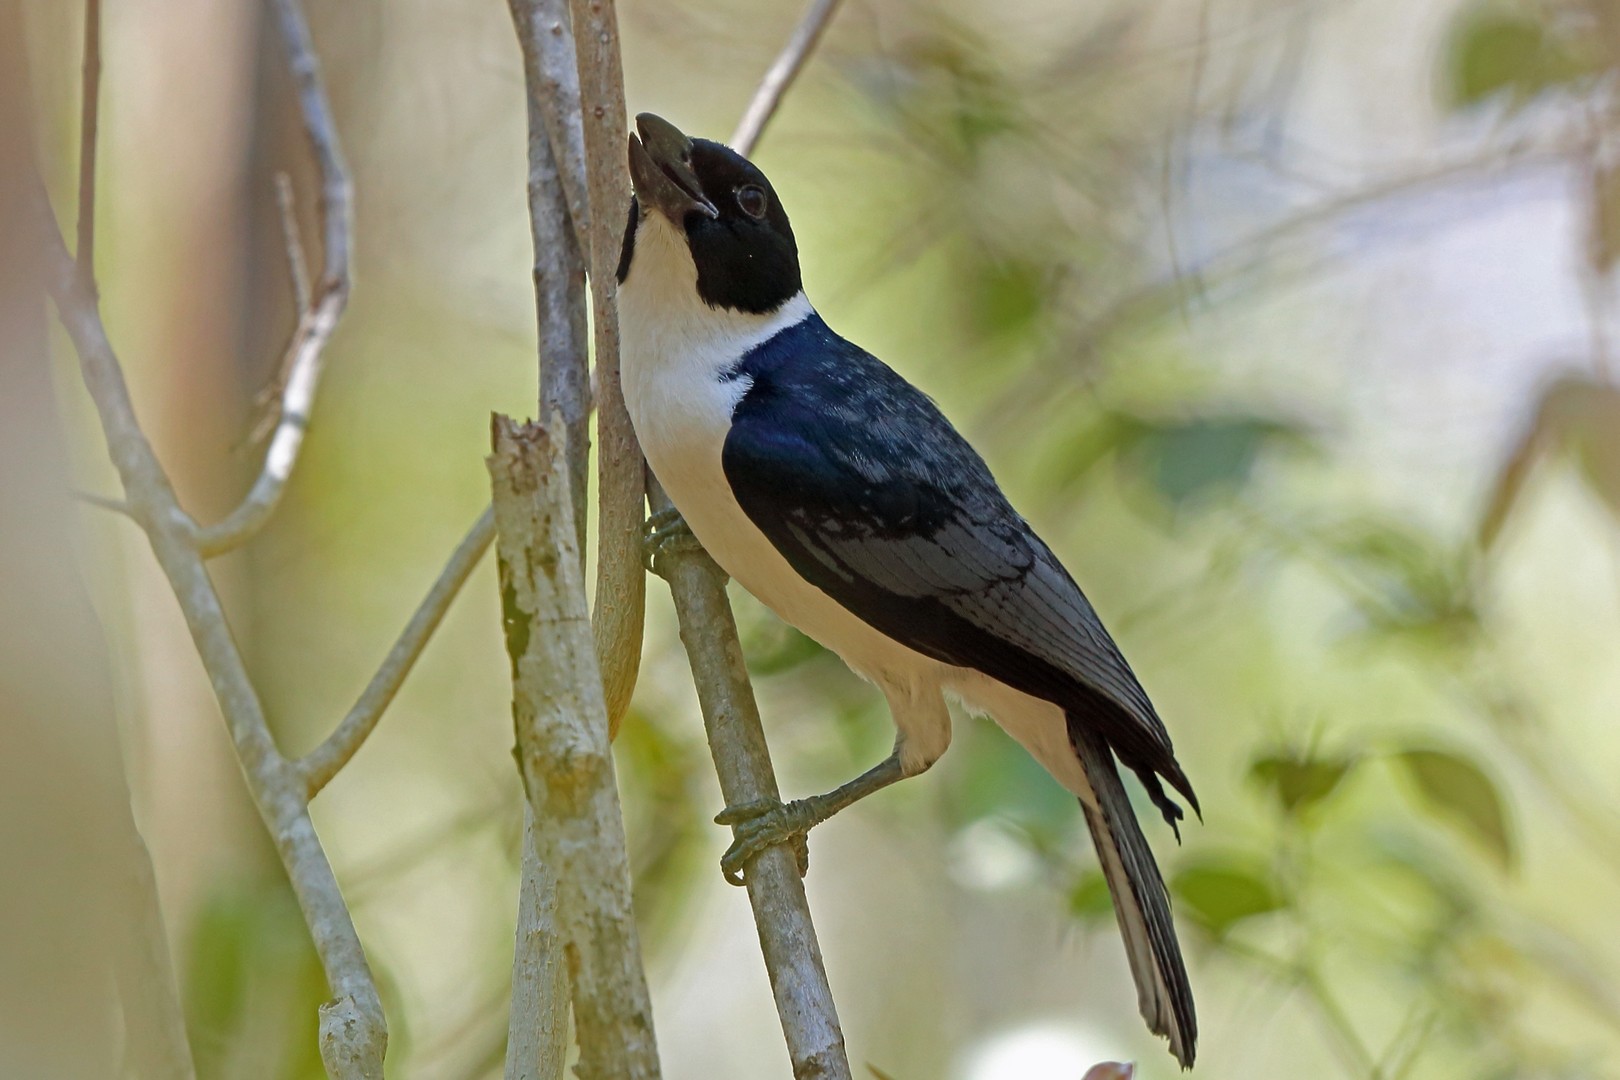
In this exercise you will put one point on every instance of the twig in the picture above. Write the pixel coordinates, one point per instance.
(104, 502)
(321, 764)
(353, 1032)
(84, 251)
(563, 749)
(787, 936)
(551, 74)
(297, 266)
(621, 584)
(783, 70)
(557, 210)
(319, 319)
(537, 1034)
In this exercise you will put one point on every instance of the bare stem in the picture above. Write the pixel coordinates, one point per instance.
(319, 319)
(783, 70)
(787, 936)
(537, 1034)
(621, 586)
(353, 1032)
(89, 122)
(321, 764)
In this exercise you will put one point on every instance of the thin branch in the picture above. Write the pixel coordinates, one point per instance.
(353, 1031)
(537, 1032)
(321, 764)
(104, 502)
(316, 322)
(89, 122)
(557, 210)
(537, 1023)
(551, 75)
(787, 936)
(781, 74)
(297, 265)
(621, 583)
(563, 750)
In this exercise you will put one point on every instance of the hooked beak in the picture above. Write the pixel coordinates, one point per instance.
(661, 168)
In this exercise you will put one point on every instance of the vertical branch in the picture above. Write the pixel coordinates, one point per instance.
(563, 750)
(84, 251)
(537, 1029)
(620, 580)
(537, 1033)
(787, 936)
(559, 265)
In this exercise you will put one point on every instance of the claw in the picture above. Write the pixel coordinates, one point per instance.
(762, 824)
(665, 533)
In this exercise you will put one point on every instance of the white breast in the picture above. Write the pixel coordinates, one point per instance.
(675, 352)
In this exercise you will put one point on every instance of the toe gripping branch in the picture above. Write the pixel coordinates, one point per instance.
(665, 533)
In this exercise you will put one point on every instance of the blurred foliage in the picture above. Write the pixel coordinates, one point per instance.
(1395, 709)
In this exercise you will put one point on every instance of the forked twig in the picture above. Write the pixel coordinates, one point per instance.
(317, 320)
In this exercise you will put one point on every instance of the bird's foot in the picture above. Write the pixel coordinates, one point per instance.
(765, 823)
(665, 533)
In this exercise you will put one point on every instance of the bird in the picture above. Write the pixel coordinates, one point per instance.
(840, 496)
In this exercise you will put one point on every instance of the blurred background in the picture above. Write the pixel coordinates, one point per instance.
(1289, 324)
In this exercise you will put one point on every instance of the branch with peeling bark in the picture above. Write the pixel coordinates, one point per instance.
(563, 751)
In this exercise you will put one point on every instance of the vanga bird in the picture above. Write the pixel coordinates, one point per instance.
(840, 496)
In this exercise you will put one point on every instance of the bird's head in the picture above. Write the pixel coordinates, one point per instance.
(708, 203)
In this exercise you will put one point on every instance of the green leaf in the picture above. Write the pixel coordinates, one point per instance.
(1002, 780)
(1496, 49)
(1300, 783)
(1462, 795)
(1090, 899)
(1194, 461)
(1007, 295)
(1220, 893)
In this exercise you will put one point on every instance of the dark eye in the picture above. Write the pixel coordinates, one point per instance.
(752, 199)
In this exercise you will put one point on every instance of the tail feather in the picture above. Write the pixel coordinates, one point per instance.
(1164, 994)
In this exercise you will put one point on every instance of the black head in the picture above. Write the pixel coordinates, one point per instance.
(736, 229)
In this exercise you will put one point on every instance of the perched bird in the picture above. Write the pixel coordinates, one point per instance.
(840, 496)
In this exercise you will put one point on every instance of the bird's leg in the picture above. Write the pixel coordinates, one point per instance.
(665, 533)
(759, 825)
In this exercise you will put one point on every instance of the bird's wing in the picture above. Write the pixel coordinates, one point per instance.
(871, 495)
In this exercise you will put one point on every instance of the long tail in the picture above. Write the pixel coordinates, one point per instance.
(1140, 901)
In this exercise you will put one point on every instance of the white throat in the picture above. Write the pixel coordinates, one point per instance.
(667, 331)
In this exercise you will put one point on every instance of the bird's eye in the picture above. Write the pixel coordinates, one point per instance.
(752, 199)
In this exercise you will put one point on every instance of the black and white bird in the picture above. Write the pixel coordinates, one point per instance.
(840, 496)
